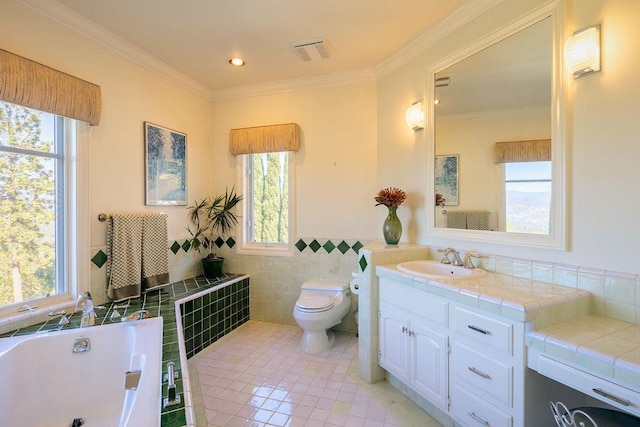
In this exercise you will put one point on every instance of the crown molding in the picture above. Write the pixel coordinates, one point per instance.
(83, 26)
(291, 85)
(419, 45)
(87, 28)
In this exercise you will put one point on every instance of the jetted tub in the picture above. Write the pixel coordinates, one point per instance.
(43, 382)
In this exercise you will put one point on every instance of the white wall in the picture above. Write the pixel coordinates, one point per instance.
(602, 153)
(336, 165)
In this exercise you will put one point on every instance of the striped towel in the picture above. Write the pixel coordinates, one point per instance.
(137, 254)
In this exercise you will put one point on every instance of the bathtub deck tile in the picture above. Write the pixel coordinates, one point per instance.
(162, 303)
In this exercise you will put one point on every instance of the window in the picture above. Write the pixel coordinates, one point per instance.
(268, 201)
(527, 197)
(33, 204)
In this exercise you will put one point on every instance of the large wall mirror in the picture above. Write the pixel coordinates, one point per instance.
(496, 135)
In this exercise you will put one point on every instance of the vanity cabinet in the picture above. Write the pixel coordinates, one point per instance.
(469, 363)
(413, 346)
(483, 363)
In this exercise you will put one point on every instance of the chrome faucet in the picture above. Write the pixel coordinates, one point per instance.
(456, 256)
(85, 303)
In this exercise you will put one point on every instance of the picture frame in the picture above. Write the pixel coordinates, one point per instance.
(165, 166)
(446, 170)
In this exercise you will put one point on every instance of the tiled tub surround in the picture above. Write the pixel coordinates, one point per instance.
(275, 281)
(181, 303)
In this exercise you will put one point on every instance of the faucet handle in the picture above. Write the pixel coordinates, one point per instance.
(468, 263)
(445, 255)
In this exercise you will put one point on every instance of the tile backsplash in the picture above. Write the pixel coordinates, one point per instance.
(276, 281)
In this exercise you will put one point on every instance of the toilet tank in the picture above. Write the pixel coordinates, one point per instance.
(325, 286)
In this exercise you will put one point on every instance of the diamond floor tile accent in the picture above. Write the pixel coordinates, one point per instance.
(258, 376)
(357, 246)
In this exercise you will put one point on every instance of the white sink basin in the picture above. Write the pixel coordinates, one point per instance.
(430, 269)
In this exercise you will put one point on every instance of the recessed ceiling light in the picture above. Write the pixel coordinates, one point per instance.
(237, 62)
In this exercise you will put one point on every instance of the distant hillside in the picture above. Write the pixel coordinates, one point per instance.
(528, 212)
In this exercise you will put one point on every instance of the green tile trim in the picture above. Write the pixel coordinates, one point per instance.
(357, 246)
(162, 303)
(301, 245)
(329, 246)
(175, 247)
(343, 247)
(99, 259)
(314, 245)
(362, 263)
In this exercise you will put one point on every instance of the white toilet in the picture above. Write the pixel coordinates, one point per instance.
(320, 306)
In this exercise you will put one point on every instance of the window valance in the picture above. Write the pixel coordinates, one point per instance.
(523, 151)
(265, 139)
(30, 84)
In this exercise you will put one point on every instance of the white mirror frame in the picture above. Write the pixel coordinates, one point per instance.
(557, 238)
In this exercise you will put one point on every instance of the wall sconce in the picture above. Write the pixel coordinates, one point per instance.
(582, 52)
(415, 116)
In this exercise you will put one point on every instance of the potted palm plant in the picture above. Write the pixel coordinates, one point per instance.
(211, 216)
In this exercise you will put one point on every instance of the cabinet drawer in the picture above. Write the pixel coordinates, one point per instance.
(415, 301)
(485, 330)
(483, 375)
(472, 411)
(620, 397)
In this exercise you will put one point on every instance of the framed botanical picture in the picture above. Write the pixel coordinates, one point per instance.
(446, 178)
(166, 166)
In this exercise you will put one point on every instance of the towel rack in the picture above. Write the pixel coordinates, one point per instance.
(103, 217)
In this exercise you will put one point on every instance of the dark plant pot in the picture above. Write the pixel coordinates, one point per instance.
(212, 267)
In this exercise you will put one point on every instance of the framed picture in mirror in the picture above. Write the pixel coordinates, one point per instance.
(446, 178)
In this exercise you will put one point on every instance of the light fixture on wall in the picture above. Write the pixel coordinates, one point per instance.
(415, 116)
(582, 52)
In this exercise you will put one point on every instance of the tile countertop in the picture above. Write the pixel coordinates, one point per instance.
(518, 299)
(563, 326)
(607, 347)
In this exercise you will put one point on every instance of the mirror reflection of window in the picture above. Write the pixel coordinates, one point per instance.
(527, 197)
(500, 93)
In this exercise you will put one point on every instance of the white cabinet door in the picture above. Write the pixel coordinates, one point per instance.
(393, 342)
(428, 363)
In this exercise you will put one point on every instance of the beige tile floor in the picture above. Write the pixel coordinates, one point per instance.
(258, 376)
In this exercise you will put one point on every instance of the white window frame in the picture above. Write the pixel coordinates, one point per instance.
(246, 247)
(75, 241)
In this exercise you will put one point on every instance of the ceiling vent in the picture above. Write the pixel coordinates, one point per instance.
(301, 49)
(443, 81)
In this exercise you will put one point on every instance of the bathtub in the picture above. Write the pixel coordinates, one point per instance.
(43, 382)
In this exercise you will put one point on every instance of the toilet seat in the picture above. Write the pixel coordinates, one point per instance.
(314, 304)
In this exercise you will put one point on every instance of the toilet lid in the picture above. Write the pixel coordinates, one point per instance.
(314, 303)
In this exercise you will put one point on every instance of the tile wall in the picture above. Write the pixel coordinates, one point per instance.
(275, 281)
